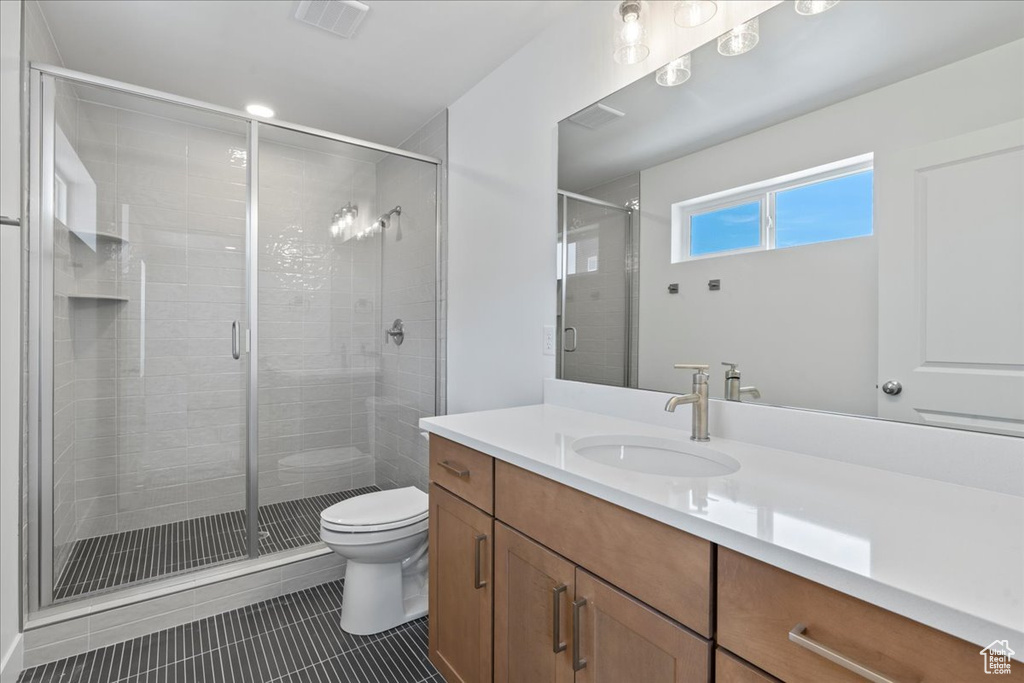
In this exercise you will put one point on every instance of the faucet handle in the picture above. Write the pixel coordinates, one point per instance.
(699, 377)
(732, 372)
(690, 366)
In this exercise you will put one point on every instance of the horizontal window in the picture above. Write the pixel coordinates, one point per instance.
(822, 204)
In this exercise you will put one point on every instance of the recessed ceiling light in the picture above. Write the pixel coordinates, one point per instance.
(260, 110)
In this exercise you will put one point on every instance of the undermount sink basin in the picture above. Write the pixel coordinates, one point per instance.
(652, 455)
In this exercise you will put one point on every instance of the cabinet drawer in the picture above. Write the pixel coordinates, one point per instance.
(467, 473)
(731, 669)
(668, 569)
(758, 606)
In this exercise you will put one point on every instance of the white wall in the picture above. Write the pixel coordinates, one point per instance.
(10, 274)
(802, 322)
(502, 203)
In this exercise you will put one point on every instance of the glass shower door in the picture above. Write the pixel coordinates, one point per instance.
(141, 286)
(594, 291)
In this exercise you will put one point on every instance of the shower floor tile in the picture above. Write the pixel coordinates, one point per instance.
(107, 562)
(288, 639)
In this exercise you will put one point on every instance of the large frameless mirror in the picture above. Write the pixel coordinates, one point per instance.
(830, 216)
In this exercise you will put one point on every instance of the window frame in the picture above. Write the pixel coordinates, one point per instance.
(764, 192)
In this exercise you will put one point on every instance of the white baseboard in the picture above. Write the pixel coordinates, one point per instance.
(11, 664)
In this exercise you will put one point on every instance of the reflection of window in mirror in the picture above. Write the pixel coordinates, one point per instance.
(60, 199)
(821, 204)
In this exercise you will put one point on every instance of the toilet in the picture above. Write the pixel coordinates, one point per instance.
(383, 538)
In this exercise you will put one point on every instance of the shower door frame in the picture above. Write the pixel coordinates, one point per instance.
(563, 233)
(39, 241)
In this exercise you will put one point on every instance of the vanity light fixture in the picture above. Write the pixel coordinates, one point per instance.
(675, 72)
(343, 219)
(811, 7)
(630, 47)
(741, 39)
(691, 13)
(261, 110)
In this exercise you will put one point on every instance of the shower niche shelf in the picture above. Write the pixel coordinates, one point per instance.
(97, 297)
(87, 237)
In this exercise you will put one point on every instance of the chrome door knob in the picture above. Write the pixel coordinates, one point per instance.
(892, 388)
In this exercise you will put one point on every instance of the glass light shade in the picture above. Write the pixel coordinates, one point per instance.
(675, 72)
(690, 13)
(741, 39)
(809, 7)
(630, 34)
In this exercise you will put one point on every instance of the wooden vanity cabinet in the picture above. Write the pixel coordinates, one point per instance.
(621, 639)
(532, 581)
(760, 605)
(542, 602)
(461, 588)
(533, 593)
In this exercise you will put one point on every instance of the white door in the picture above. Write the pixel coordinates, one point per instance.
(951, 278)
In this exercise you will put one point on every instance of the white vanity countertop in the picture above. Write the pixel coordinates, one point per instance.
(949, 556)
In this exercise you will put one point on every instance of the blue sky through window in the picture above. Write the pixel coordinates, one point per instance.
(737, 227)
(830, 210)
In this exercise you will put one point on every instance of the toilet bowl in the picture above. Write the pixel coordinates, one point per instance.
(383, 538)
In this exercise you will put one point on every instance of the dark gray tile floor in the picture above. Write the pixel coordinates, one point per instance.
(116, 560)
(289, 639)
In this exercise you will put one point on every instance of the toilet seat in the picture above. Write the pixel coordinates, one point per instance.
(378, 511)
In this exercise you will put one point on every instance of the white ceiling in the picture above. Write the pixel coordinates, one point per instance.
(800, 64)
(407, 62)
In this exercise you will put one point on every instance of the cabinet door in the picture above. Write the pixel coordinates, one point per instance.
(622, 639)
(461, 543)
(533, 593)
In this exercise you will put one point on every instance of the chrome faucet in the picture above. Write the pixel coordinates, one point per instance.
(733, 390)
(698, 397)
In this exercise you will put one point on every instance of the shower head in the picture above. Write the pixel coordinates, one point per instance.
(383, 222)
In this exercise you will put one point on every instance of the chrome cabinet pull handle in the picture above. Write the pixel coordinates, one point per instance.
(575, 336)
(578, 662)
(797, 636)
(236, 344)
(557, 644)
(456, 469)
(477, 581)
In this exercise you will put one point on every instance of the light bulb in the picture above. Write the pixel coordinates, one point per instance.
(630, 47)
(260, 110)
(810, 7)
(675, 72)
(741, 39)
(690, 13)
(631, 31)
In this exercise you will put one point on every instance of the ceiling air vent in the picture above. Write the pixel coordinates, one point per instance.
(596, 116)
(340, 17)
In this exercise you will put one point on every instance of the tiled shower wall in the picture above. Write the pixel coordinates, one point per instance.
(160, 403)
(625, 191)
(318, 299)
(406, 382)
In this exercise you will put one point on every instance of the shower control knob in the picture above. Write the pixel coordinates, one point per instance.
(892, 388)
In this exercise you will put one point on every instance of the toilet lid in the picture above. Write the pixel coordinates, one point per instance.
(377, 511)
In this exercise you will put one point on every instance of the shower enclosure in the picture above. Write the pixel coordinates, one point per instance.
(208, 300)
(596, 292)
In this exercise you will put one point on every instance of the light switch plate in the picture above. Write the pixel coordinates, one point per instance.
(549, 340)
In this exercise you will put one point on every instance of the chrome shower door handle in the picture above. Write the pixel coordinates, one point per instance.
(575, 337)
(236, 341)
